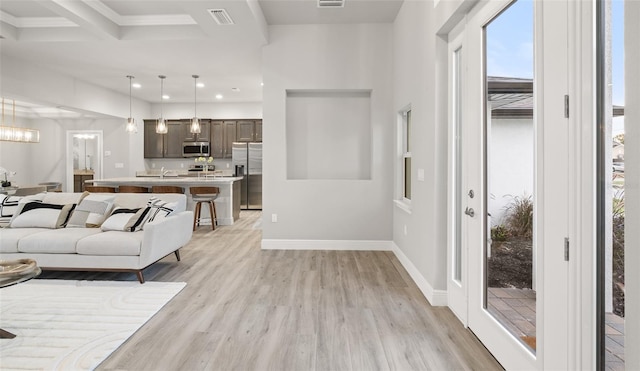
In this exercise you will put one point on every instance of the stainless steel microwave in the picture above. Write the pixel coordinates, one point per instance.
(196, 149)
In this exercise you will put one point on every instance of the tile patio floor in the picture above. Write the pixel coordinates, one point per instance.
(516, 310)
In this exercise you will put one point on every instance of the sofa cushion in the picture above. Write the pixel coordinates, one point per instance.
(92, 211)
(58, 241)
(9, 237)
(41, 215)
(126, 220)
(111, 243)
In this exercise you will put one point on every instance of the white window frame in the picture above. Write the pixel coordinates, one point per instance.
(404, 146)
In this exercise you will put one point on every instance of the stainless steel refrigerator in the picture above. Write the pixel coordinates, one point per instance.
(249, 155)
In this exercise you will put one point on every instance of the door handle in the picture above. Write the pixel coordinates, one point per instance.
(469, 212)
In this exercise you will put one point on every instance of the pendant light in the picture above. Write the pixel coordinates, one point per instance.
(195, 123)
(161, 125)
(131, 126)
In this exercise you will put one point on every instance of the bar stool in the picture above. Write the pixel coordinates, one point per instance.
(208, 195)
(100, 189)
(166, 189)
(132, 189)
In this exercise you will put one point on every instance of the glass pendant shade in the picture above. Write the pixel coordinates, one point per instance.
(194, 128)
(131, 126)
(161, 125)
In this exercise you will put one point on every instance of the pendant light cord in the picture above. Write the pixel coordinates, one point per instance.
(195, 96)
(161, 95)
(130, 77)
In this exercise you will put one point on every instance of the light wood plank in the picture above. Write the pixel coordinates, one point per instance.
(248, 309)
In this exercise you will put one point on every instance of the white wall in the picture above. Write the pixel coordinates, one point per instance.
(415, 78)
(511, 163)
(45, 161)
(31, 82)
(220, 111)
(328, 57)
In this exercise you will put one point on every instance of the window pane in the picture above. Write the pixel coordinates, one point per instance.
(407, 178)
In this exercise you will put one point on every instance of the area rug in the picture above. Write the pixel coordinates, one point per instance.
(74, 325)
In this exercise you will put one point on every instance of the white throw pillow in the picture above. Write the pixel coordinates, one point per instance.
(92, 211)
(128, 220)
(38, 214)
(11, 206)
(159, 209)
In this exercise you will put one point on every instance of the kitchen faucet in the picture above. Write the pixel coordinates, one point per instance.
(163, 172)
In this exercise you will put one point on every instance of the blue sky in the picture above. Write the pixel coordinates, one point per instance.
(510, 42)
(510, 47)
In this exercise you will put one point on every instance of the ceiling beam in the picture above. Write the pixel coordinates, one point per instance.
(84, 16)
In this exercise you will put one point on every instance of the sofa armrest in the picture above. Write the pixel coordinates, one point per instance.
(162, 237)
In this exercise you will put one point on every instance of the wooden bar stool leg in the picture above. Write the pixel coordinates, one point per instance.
(215, 212)
(213, 216)
(196, 215)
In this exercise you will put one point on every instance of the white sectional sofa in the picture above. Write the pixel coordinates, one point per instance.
(81, 248)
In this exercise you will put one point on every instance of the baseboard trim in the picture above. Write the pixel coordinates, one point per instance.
(359, 245)
(437, 298)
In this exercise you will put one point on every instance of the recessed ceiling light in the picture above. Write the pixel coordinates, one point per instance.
(262, 84)
(166, 97)
(235, 90)
(136, 85)
(200, 84)
(218, 96)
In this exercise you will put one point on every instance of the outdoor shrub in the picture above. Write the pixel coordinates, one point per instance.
(519, 216)
(499, 233)
(618, 253)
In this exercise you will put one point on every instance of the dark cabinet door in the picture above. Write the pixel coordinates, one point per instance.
(230, 137)
(173, 139)
(217, 139)
(153, 142)
(205, 131)
(258, 133)
(245, 131)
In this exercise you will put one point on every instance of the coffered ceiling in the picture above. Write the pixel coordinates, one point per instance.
(103, 41)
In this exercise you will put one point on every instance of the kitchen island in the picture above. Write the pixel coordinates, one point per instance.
(227, 203)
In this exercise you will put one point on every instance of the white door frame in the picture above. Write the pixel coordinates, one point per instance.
(457, 290)
(69, 151)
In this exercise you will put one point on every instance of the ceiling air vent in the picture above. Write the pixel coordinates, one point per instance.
(330, 3)
(221, 16)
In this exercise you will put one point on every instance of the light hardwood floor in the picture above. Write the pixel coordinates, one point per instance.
(248, 309)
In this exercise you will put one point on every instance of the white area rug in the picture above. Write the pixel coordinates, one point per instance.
(74, 325)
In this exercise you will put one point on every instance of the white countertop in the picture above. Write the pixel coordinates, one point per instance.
(170, 180)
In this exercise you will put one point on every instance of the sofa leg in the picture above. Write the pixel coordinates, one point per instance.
(177, 252)
(140, 276)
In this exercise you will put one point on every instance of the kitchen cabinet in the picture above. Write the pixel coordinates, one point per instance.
(79, 178)
(223, 134)
(230, 128)
(163, 145)
(258, 131)
(245, 131)
(205, 131)
(249, 131)
(217, 139)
